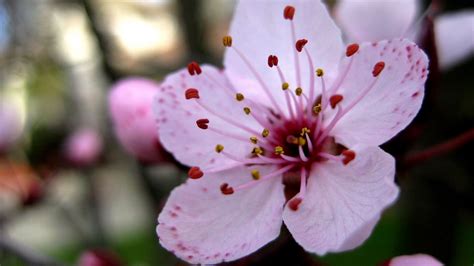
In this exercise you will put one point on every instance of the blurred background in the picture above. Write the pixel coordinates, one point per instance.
(72, 191)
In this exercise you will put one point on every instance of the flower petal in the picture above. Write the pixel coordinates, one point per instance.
(415, 260)
(343, 203)
(201, 225)
(395, 98)
(454, 37)
(259, 30)
(364, 21)
(177, 118)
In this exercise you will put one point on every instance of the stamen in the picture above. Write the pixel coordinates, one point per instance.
(319, 72)
(348, 155)
(317, 109)
(301, 153)
(202, 123)
(304, 131)
(239, 97)
(310, 144)
(271, 160)
(311, 81)
(195, 173)
(228, 134)
(300, 44)
(265, 133)
(352, 49)
(279, 150)
(289, 12)
(263, 178)
(335, 99)
(289, 158)
(272, 60)
(255, 174)
(329, 156)
(285, 86)
(253, 140)
(191, 93)
(257, 151)
(227, 41)
(247, 110)
(378, 68)
(295, 203)
(226, 189)
(299, 91)
(194, 68)
(219, 148)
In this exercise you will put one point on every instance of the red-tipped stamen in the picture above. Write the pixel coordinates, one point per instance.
(289, 12)
(294, 204)
(191, 93)
(272, 60)
(352, 49)
(378, 68)
(335, 99)
(203, 123)
(348, 155)
(300, 44)
(194, 68)
(226, 189)
(195, 173)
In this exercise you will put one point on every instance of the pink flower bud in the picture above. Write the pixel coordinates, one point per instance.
(83, 147)
(99, 258)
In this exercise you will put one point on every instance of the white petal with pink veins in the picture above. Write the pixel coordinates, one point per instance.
(343, 202)
(259, 30)
(201, 225)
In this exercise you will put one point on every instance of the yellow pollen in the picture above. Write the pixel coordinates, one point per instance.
(279, 150)
(317, 108)
(265, 133)
(247, 110)
(253, 140)
(239, 97)
(299, 91)
(319, 72)
(219, 148)
(227, 41)
(285, 86)
(301, 141)
(304, 131)
(257, 151)
(255, 174)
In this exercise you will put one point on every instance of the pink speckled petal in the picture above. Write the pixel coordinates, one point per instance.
(415, 260)
(343, 202)
(201, 225)
(369, 20)
(177, 117)
(394, 100)
(259, 30)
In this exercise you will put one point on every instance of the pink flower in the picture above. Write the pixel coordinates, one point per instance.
(379, 20)
(11, 126)
(83, 147)
(99, 257)
(130, 103)
(288, 132)
(413, 260)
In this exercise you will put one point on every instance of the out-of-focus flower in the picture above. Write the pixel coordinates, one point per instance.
(20, 182)
(11, 125)
(130, 106)
(99, 257)
(83, 147)
(289, 131)
(378, 20)
(413, 260)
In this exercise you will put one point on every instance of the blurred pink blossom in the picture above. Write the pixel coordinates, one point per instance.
(288, 132)
(413, 260)
(98, 258)
(368, 20)
(83, 147)
(130, 102)
(11, 126)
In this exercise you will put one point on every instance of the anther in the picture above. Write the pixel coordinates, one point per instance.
(279, 150)
(265, 133)
(317, 108)
(257, 151)
(272, 60)
(348, 155)
(300, 44)
(239, 97)
(304, 131)
(335, 99)
(301, 141)
(195, 173)
(194, 68)
(227, 41)
(352, 49)
(319, 72)
(285, 86)
(247, 110)
(253, 140)
(378, 68)
(289, 12)
(255, 174)
(299, 91)
(294, 204)
(191, 93)
(202, 123)
(226, 189)
(219, 148)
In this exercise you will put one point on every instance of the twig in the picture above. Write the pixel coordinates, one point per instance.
(26, 254)
(439, 149)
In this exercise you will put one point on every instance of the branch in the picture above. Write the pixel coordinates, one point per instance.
(440, 149)
(29, 256)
